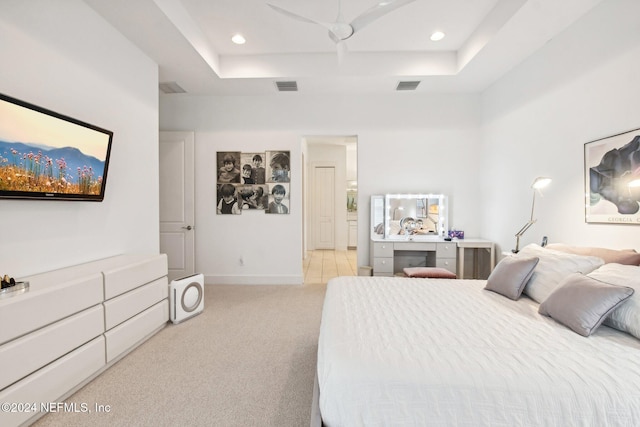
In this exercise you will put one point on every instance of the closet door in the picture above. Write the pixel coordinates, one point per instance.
(177, 202)
(324, 206)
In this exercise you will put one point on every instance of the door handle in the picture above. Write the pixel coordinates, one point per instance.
(188, 227)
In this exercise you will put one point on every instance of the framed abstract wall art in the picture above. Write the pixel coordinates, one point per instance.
(612, 179)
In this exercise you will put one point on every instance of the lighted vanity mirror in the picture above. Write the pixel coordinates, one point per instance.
(409, 216)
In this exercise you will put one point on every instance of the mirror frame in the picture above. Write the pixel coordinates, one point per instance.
(386, 203)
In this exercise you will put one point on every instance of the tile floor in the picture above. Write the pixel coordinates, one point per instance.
(321, 265)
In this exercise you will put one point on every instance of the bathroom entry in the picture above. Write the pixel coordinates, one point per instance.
(331, 165)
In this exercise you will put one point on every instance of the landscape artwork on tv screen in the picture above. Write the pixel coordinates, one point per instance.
(46, 155)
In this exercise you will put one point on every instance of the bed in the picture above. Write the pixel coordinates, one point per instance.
(398, 351)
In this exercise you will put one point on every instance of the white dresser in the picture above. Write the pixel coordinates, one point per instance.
(72, 324)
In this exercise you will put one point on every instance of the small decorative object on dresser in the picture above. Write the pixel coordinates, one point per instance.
(9, 287)
(456, 234)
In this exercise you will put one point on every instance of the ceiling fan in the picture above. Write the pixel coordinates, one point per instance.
(340, 30)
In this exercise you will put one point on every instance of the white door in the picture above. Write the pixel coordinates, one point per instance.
(177, 212)
(324, 193)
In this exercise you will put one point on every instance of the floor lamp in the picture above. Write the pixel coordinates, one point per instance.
(538, 184)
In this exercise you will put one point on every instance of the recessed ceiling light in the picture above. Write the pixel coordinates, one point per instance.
(238, 39)
(437, 36)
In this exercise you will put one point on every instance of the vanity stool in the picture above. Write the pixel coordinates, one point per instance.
(429, 272)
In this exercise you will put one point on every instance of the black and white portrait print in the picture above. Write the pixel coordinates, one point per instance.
(278, 199)
(278, 166)
(228, 164)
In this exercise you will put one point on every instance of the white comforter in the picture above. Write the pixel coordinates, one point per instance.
(420, 352)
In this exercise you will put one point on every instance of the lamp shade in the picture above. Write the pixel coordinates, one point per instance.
(540, 182)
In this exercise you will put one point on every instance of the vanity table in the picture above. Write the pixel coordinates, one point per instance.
(408, 230)
(390, 257)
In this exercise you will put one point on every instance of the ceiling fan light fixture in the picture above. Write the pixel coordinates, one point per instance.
(340, 30)
(238, 39)
(437, 36)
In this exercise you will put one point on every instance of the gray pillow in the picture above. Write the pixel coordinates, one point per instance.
(582, 303)
(511, 275)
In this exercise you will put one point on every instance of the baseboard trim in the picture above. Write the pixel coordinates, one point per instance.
(253, 280)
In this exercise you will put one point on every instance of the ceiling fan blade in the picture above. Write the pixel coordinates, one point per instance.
(292, 15)
(329, 27)
(382, 8)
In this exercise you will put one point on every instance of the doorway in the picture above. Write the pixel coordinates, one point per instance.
(320, 266)
(330, 194)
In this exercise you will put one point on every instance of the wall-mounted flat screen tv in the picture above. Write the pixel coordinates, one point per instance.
(46, 155)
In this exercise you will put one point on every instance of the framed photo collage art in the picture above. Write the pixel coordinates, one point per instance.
(253, 182)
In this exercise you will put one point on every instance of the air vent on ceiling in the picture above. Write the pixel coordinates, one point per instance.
(411, 85)
(171, 87)
(290, 86)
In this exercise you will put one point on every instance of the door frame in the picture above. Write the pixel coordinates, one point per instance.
(186, 227)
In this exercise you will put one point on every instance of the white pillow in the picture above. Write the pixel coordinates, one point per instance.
(626, 317)
(553, 267)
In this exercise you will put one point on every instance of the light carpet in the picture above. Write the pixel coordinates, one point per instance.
(248, 360)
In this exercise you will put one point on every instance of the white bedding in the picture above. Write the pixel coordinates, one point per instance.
(420, 352)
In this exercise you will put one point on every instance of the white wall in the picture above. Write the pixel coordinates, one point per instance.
(414, 143)
(264, 242)
(60, 55)
(580, 87)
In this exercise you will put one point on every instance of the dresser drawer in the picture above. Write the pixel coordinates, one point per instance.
(133, 271)
(126, 335)
(447, 263)
(47, 302)
(29, 353)
(382, 250)
(50, 383)
(383, 265)
(125, 306)
(446, 250)
(415, 246)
